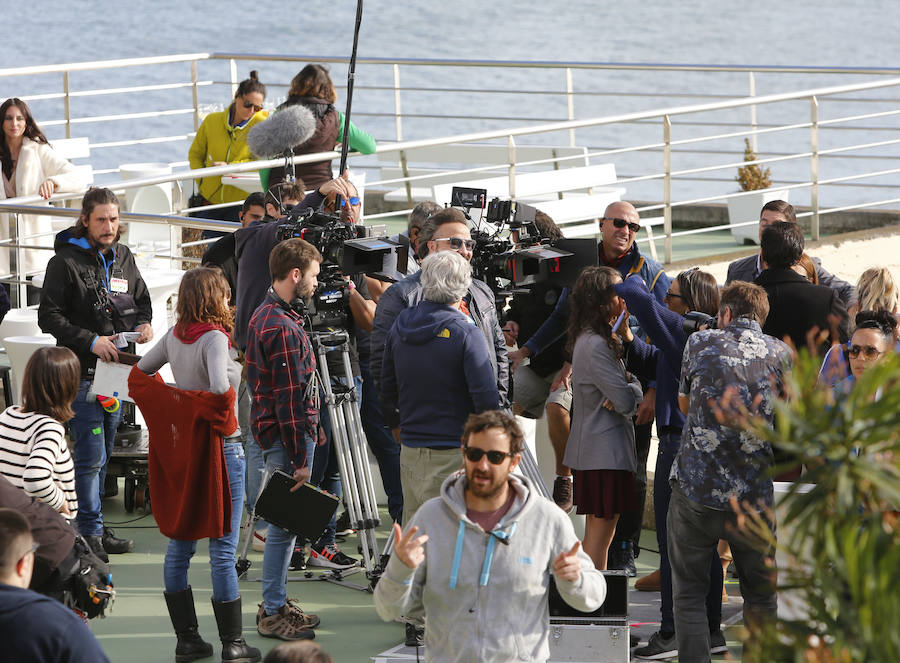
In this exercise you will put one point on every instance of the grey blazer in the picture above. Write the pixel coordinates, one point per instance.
(601, 439)
(744, 269)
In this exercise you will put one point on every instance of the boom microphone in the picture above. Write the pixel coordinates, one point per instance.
(284, 130)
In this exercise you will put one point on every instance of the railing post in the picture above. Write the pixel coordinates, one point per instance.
(814, 166)
(195, 95)
(66, 108)
(512, 168)
(667, 185)
(398, 124)
(234, 76)
(753, 122)
(570, 100)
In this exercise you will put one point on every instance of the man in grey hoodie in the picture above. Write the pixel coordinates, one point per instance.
(492, 543)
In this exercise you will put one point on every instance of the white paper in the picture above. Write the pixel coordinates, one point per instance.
(124, 338)
(111, 379)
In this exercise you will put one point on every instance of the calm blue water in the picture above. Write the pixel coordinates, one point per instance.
(803, 32)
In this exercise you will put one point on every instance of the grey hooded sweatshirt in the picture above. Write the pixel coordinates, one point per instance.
(484, 594)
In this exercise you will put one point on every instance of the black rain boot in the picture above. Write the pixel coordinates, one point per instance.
(229, 620)
(190, 645)
(626, 559)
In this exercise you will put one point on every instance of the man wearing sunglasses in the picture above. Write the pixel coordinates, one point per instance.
(34, 627)
(446, 230)
(749, 268)
(618, 249)
(493, 544)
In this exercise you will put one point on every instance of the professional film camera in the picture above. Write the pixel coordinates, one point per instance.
(346, 249)
(510, 252)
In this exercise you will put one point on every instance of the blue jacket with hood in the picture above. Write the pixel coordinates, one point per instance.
(436, 371)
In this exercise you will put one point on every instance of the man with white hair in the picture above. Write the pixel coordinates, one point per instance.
(437, 371)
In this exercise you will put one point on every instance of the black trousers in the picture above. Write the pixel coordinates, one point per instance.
(628, 528)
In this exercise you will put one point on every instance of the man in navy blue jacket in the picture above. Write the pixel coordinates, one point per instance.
(436, 372)
(34, 627)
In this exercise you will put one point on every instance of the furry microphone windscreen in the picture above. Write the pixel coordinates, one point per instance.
(283, 131)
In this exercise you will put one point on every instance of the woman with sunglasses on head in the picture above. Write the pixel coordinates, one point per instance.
(200, 352)
(600, 449)
(30, 167)
(313, 89)
(222, 139)
(692, 291)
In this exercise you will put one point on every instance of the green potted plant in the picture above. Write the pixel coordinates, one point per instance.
(742, 209)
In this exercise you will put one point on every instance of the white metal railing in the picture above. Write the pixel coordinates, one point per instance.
(671, 145)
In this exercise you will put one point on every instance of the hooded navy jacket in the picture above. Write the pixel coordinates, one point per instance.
(436, 372)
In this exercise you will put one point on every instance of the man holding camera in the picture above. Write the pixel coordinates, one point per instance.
(725, 372)
(93, 292)
(284, 414)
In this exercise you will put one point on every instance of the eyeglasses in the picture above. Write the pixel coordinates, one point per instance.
(621, 223)
(475, 455)
(249, 104)
(456, 243)
(353, 201)
(671, 295)
(868, 351)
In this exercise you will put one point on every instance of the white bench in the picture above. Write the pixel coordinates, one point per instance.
(76, 148)
(440, 159)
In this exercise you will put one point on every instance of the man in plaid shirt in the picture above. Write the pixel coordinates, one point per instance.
(284, 415)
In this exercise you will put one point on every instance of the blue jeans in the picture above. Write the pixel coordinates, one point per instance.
(94, 430)
(662, 494)
(381, 442)
(326, 471)
(279, 542)
(222, 549)
(255, 467)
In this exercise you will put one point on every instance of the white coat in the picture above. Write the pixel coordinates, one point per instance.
(37, 163)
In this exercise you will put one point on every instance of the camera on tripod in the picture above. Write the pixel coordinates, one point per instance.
(511, 253)
(346, 249)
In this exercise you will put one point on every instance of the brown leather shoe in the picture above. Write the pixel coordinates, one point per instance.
(649, 583)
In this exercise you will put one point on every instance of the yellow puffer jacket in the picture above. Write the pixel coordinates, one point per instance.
(217, 140)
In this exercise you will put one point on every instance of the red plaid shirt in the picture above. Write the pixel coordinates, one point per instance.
(280, 365)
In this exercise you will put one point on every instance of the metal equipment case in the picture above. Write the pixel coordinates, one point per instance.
(601, 636)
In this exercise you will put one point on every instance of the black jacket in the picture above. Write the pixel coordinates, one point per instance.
(77, 304)
(221, 254)
(796, 306)
(744, 269)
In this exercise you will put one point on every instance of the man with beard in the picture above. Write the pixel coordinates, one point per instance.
(493, 543)
(284, 417)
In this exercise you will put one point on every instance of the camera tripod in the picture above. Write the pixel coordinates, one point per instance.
(342, 400)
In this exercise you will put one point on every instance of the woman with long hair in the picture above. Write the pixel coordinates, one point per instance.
(692, 291)
(200, 352)
(30, 167)
(600, 449)
(222, 139)
(313, 89)
(34, 454)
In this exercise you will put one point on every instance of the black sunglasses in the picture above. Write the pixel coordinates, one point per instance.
(621, 223)
(255, 107)
(671, 295)
(475, 454)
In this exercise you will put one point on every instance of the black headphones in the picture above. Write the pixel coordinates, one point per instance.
(297, 305)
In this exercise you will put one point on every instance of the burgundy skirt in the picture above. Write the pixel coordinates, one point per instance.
(604, 493)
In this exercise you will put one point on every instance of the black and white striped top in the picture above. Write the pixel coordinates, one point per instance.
(34, 456)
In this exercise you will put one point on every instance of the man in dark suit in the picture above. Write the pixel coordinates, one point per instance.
(747, 269)
(795, 304)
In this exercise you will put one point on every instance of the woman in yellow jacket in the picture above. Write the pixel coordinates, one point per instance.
(222, 139)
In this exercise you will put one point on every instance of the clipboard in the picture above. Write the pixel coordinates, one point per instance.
(111, 378)
(305, 512)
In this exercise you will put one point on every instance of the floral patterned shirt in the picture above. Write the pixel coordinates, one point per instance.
(716, 461)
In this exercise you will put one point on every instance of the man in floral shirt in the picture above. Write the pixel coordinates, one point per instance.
(722, 370)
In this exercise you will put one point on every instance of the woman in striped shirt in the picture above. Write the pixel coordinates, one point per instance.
(34, 455)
